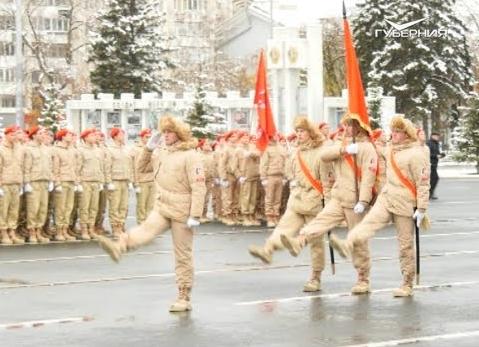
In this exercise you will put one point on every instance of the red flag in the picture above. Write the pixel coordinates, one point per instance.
(266, 127)
(356, 100)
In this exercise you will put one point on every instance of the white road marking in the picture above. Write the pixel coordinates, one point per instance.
(93, 256)
(450, 336)
(347, 294)
(39, 323)
(212, 271)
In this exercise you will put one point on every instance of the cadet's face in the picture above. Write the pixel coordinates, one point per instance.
(145, 139)
(120, 137)
(12, 137)
(325, 130)
(421, 135)
(245, 140)
(68, 138)
(170, 137)
(397, 136)
(302, 135)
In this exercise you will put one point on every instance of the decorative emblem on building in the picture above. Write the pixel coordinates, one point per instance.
(293, 55)
(274, 54)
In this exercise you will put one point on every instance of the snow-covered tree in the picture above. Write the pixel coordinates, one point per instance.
(425, 74)
(375, 96)
(465, 137)
(130, 48)
(201, 117)
(53, 114)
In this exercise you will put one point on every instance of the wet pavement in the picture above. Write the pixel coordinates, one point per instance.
(73, 295)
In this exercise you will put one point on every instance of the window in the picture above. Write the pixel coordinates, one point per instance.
(7, 48)
(7, 23)
(134, 124)
(8, 101)
(57, 51)
(7, 75)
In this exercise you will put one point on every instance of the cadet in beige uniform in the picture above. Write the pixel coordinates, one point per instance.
(180, 180)
(118, 175)
(305, 201)
(403, 200)
(37, 178)
(348, 202)
(103, 195)
(143, 182)
(227, 177)
(248, 177)
(64, 178)
(11, 180)
(272, 165)
(209, 166)
(91, 177)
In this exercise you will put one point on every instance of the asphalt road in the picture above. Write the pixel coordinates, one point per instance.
(73, 295)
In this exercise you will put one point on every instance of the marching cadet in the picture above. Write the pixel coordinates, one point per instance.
(272, 165)
(91, 177)
(143, 182)
(403, 201)
(351, 195)
(118, 177)
(72, 230)
(227, 177)
(206, 154)
(47, 229)
(22, 230)
(11, 181)
(180, 180)
(65, 179)
(102, 199)
(309, 188)
(37, 179)
(324, 129)
(248, 177)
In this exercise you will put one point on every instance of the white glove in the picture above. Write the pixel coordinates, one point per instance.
(51, 186)
(264, 182)
(154, 141)
(242, 180)
(110, 186)
(137, 190)
(293, 183)
(27, 188)
(2, 193)
(100, 187)
(418, 216)
(58, 189)
(79, 188)
(191, 222)
(20, 191)
(352, 148)
(225, 183)
(359, 208)
(130, 186)
(217, 181)
(285, 181)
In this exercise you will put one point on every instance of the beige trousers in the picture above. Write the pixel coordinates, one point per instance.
(118, 203)
(248, 197)
(9, 206)
(290, 224)
(227, 196)
(89, 203)
(272, 195)
(154, 225)
(37, 204)
(64, 204)
(145, 200)
(330, 217)
(378, 218)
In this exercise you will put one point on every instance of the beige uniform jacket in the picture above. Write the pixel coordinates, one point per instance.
(248, 162)
(415, 166)
(64, 164)
(344, 188)
(304, 198)
(272, 161)
(227, 164)
(90, 164)
(11, 164)
(180, 180)
(38, 163)
(139, 177)
(118, 165)
(209, 164)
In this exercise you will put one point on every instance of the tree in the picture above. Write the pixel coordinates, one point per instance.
(53, 114)
(426, 74)
(465, 138)
(129, 48)
(333, 55)
(375, 96)
(201, 117)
